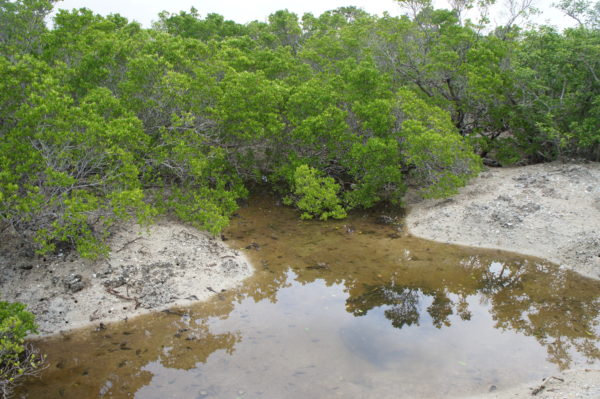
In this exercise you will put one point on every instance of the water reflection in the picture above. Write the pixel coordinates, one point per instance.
(338, 312)
(526, 298)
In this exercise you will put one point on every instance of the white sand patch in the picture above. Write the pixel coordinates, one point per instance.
(550, 211)
(149, 269)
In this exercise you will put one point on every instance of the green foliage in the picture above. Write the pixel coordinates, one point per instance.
(102, 120)
(315, 195)
(284, 26)
(558, 114)
(15, 324)
(375, 166)
(441, 159)
(71, 164)
(250, 106)
(207, 191)
(22, 25)
(191, 25)
(17, 359)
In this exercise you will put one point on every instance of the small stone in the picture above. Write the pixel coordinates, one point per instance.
(319, 266)
(254, 246)
(74, 283)
(115, 283)
(385, 220)
(192, 337)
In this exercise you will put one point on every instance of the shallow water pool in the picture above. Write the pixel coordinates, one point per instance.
(351, 309)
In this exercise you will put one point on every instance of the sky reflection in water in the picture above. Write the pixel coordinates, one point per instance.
(343, 309)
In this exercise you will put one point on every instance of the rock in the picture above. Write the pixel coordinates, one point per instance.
(529, 208)
(74, 283)
(192, 337)
(229, 265)
(253, 245)
(155, 295)
(116, 282)
(104, 273)
(506, 219)
(319, 266)
(386, 220)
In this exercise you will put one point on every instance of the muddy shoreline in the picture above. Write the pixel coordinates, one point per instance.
(551, 211)
(148, 270)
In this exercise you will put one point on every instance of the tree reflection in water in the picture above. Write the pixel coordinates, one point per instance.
(417, 286)
(529, 298)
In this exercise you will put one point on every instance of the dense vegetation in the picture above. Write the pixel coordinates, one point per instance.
(102, 120)
(17, 359)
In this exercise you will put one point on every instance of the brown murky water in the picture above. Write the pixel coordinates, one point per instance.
(342, 309)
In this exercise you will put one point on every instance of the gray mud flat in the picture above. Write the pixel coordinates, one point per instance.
(151, 269)
(550, 210)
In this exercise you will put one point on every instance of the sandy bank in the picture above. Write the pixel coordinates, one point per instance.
(550, 211)
(580, 384)
(149, 269)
